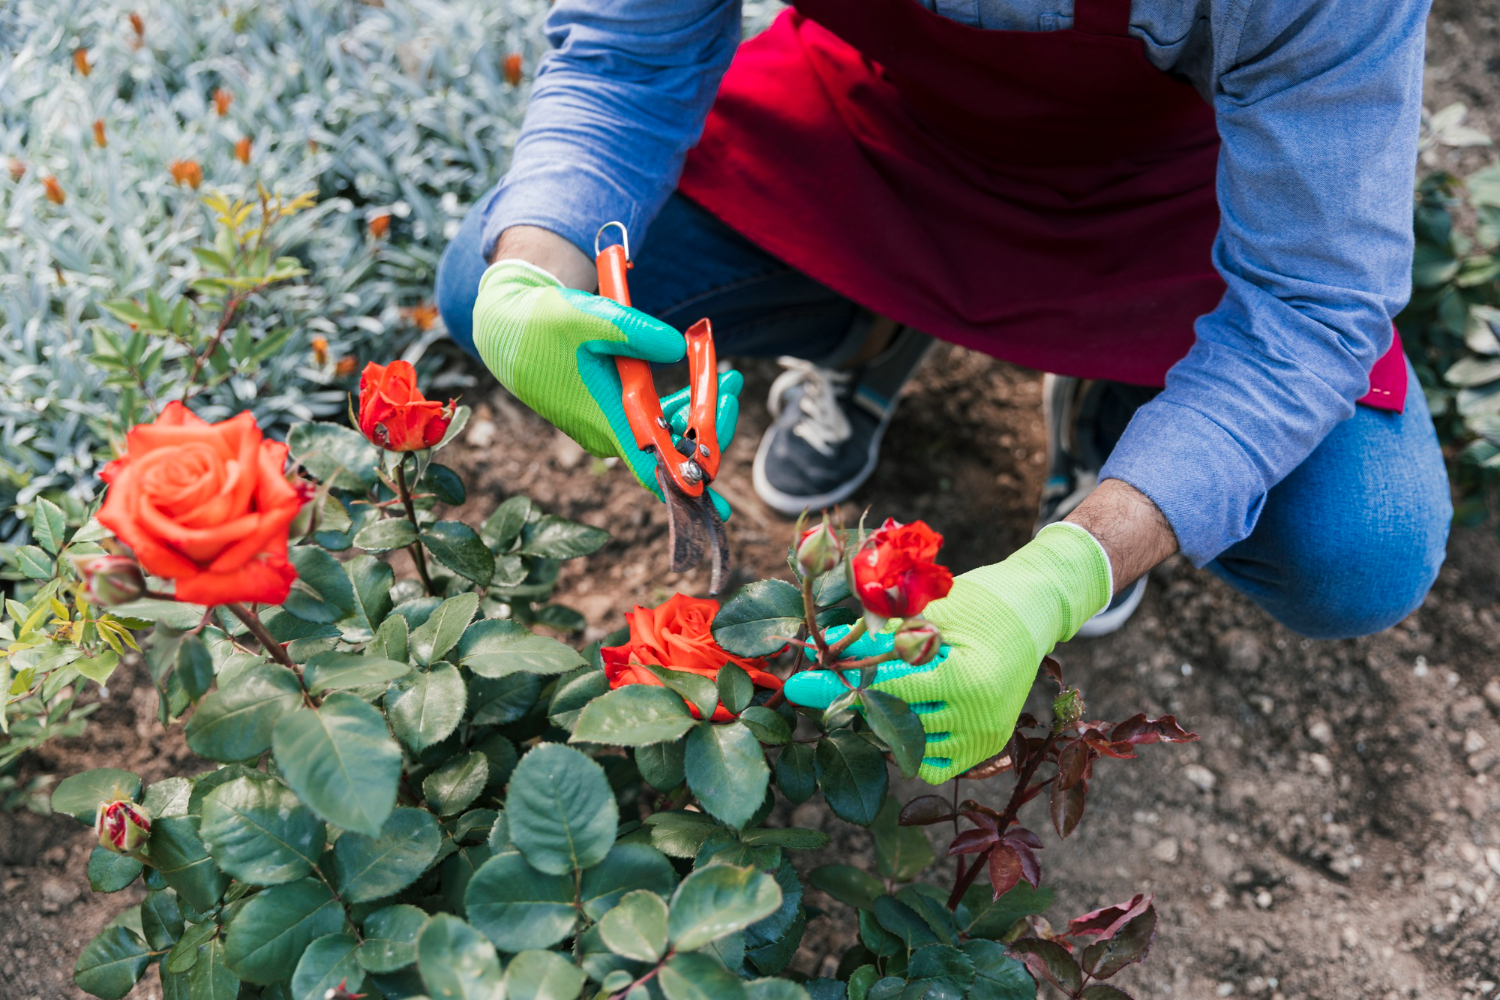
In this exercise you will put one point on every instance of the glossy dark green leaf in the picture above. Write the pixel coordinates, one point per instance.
(341, 761)
(366, 868)
(767, 725)
(894, 722)
(904, 922)
(718, 900)
(1059, 962)
(502, 700)
(661, 764)
(236, 722)
(425, 706)
(443, 628)
(980, 915)
(518, 907)
(998, 975)
(259, 832)
(179, 855)
(112, 963)
(503, 527)
(735, 688)
(634, 715)
(561, 810)
(79, 795)
(759, 618)
(697, 690)
(796, 772)
(443, 483)
(901, 852)
(775, 989)
(542, 975)
(930, 903)
(792, 838)
(637, 927)
(327, 962)
(48, 525)
(111, 872)
(501, 755)
(322, 592)
(496, 647)
(726, 770)
(267, 937)
(195, 666)
(554, 537)
(451, 788)
(560, 618)
(385, 535)
(371, 580)
(337, 456)
(847, 884)
(459, 547)
(391, 938)
(626, 868)
(680, 834)
(185, 952)
(853, 776)
(161, 919)
(392, 640)
(940, 971)
(168, 797)
(210, 977)
(456, 962)
(699, 977)
(333, 671)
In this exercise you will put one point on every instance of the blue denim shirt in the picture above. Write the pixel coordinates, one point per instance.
(1318, 104)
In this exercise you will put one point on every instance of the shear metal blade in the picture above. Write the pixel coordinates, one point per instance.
(693, 524)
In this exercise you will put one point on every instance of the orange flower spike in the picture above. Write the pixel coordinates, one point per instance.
(55, 193)
(186, 173)
(380, 225)
(422, 317)
(345, 367)
(222, 100)
(242, 149)
(99, 139)
(138, 24)
(513, 66)
(81, 61)
(320, 351)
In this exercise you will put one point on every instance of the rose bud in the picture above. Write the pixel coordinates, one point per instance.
(819, 549)
(122, 826)
(1067, 707)
(918, 641)
(393, 413)
(110, 580)
(895, 575)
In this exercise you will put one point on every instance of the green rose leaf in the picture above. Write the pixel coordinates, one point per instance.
(236, 722)
(322, 592)
(901, 852)
(735, 688)
(456, 962)
(998, 975)
(334, 671)
(168, 797)
(341, 761)
(425, 707)
(161, 919)
(195, 666)
(627, 868)
(637, 927)
(940, 970)
(267, 937)
(727, 771)
(366, 868)
(895, 723)
(796, 772)
(391, 938)
(259, 832)
(386, 535)
(431, 641)
(847, 884)
(699, 977)
(699, 691)
(328, 961)
(776, 989)
(210, 978)
(680, 834)
(634, 715)
(853, 776)
(80, 795)
(767, 724)
(542, 975)
(111, 872)
(392, 640)
(495, 647)
(112, 963)
(718, 900)
(459, 547)
(980, 915)
(518, 907)
(451, 788)
(179, 856)
(372, 581)
(561, 810)
(184, 953)
(48, 525)
(337, 456)
(553, 537)
(759, 618)
(662, 764)
(792, 838)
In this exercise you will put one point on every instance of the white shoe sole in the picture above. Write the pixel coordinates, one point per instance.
(792, 506)
(1111, 619)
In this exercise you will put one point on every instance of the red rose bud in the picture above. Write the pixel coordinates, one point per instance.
(394, 414)
(110, 580)
(819, 549)
(894, 572)
(122, 827)
(918, 641)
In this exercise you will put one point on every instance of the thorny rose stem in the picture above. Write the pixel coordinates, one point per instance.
(268, 642)
(411, 515)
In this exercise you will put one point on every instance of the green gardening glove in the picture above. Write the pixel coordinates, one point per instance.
(997, 624)
(554, 349)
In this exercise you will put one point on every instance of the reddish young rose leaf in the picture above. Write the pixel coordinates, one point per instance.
(1031, 868)
(1072, 761)
(1104, 991)
(968, 806)
(1027, 721)
(998, 764)
(1021, 835)
(925, 810)
(1139, 729)
(1067, 807)
(1050, 960)
(1104, 921)
(1005, 869)
(1053, 669)
(984, 820)
(972, 842)
(1129, 945)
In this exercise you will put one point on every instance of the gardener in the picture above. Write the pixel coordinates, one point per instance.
(1208, 195)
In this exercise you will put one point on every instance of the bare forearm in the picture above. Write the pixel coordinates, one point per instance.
(548, 251)
(1132, 530)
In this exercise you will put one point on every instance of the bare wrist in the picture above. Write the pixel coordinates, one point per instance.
(548, 251)
(1132, 530)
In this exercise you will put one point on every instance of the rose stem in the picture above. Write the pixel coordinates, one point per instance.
(411, 515)
(855, 632)
(869, 661)
(810, 612)
(258, 629)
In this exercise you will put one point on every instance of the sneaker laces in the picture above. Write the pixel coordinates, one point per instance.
(823, 425)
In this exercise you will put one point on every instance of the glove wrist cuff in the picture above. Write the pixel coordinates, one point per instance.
(509, 265)
(1109, 568)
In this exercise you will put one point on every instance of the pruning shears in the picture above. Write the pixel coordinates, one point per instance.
(686, 464)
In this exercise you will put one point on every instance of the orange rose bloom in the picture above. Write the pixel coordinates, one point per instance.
(206, 505)
(894, 572)
(394, 414)
(676, 635)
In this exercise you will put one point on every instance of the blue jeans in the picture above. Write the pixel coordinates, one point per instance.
(1347, 545)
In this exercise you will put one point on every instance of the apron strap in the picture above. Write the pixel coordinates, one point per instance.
(1102, 17)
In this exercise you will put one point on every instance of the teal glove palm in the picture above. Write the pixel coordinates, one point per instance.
(554, 349)
(997, 624)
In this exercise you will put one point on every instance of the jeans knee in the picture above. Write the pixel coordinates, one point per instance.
(455, 292)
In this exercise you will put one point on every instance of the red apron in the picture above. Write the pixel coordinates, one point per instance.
(1043, 197)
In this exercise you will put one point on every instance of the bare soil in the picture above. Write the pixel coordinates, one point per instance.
(1333, 836)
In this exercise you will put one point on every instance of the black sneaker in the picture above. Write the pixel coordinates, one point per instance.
(827, 424)
(1085, 418)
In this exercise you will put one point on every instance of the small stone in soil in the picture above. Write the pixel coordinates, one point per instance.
(1200, 777)
(1492, 693)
